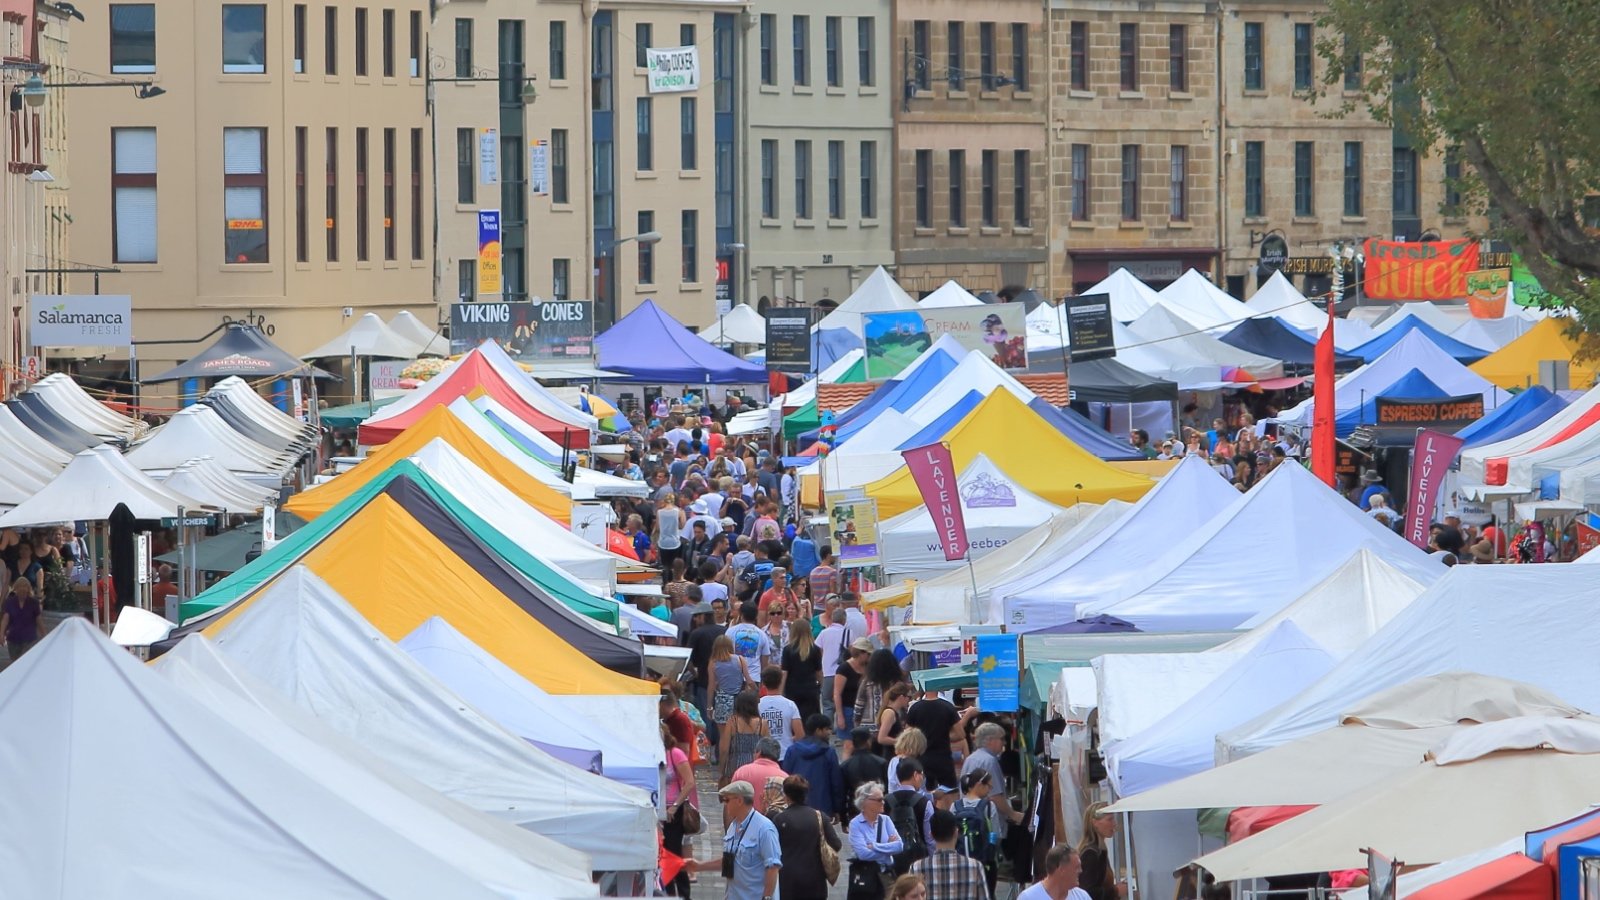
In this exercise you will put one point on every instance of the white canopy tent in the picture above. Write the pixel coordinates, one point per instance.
(995, 510)
(1134, 691)
(23, 445)
(206, 480)
(252, 817)
(739, 325)
(368, 337)
(1195, 299)
(67, 397)
(1168, 330)
(1492, 334)
(306, 641)
(1414, 351)
(1130, 297)
(513, 861)
(91, 487)
(409, 326)
(526, 710)
(239, 395)
(1278, 299)
(1463, 622)
(949, 294)
(1167, 360)
(878, 293)
(199, 430)
(1435, 315)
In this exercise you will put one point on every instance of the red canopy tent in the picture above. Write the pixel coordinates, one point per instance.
(473, 376)
(1511, 877)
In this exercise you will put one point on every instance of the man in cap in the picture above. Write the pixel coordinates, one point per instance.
(1371, 486)
(749, 847)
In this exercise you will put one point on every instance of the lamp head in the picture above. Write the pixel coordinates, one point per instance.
(33, 91)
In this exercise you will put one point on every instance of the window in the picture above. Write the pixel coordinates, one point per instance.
(831, 36)
(561, 279)
(558, 51)
(330, 40)
(1080, 182)
(244, 38)
(802, 50)
(647, 252)
(302, 237)
(986, 61)
(989, 187)
(605, 186)
(1252, 56)
(1304, 172)
(416, 193)
(869, 179)
(330, 201)
(1452, 181)
(958, 188)
(361, 42)
(363, 216)
(1405, 181)
(866, 48)
(922, 53)
(463, 48)
(686, 151)
(954, 51)
(558, 165)
(414, 53)
(1021, 174)
(1178, 58)
(802, 179)
(1178, 185)
(769, 37)
(133, 188)
(646, 144)
(1352, 66)
(1128, 59)
(299, 39)
(769, 179)
(466, 280)
(686, 35)
(1302, 56)
(924, 188)
(641, 43)
(1254, 178)
(691, 246)
(1352, 178)
(1019, 55)
(466, 157)
(390, 207)
(388, 43)
(244, 194)
(133, 37)
(836, 179)
(1079, 42)
(1130, 182)
(600, 71)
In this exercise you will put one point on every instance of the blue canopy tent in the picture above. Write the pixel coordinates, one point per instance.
(896, 394)
(946, 420)
(1525, 411)
(1371, 350)
(1413, 385)
(650, 346)
(1271, 338)
(828, 345)
(1085, 433)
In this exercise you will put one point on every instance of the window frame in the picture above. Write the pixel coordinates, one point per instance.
(866, 51)
(1178, 58)
(832, 63)
(1081, 158)
(363, 149)
(800, 27)
(1128, 56)
(767, 51)
(557, 39)
(464, 47)
(1178, 183)
(140, 181)
(134, 68)
(245, 68)
(1021, 188)
(359, 28)
(688, 149)
(1021, 47)
(1078, 59)
(645, 261)
(955, 52)
(988, 74)
(644, 158)
(391, 200)
(769, 178)
(868, 159)
(956, 160)
(689, 241)
(1305, 175)
(1354, 177)
(257, 181)
(922, 54)
(302, 214)
(1130, 181)
(1254, 61)
(989, 188)
(560, 178)
(836, 180)
(923, 165)
(803, 162)
(1305, 55)
(1255, 186)
(330, 199)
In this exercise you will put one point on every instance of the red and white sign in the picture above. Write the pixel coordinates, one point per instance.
(1430, 460)
(935, 474)
(32, 368)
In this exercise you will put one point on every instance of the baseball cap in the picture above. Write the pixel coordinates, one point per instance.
(738, 789)
(727, 522)
(862, 644)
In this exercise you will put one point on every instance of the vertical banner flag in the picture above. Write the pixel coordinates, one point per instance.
(1430, 460)
(488, 156)
(488, 251)
(539, 168)
(935, 474)
(999, 673)
(1323, 455)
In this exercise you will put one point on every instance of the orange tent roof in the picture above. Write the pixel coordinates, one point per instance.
(472, 377)
(1511, 877)
(437, 422)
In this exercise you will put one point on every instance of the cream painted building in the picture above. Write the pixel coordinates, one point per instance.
(820, 143)
(592, 159)
(284, 176)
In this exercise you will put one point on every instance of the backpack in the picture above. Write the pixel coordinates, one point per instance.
(906, 808)
(973, 837)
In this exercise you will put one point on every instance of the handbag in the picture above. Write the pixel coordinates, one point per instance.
(692, 823)
(830, 856)
(866, 878)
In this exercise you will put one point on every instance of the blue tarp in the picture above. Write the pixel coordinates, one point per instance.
(1371, 350)
(1522, 412)
(1271, 338)
(1085, 433)
(650, 346)
(1413, 385)
(829, 344)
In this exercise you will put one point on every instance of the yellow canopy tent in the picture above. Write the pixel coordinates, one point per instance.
(1516, 365)
(1024, 446)
(441, 423)
(433, 581)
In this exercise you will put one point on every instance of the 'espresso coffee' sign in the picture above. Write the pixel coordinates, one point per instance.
(1447, 414)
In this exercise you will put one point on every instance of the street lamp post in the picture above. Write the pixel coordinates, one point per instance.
(606, 310)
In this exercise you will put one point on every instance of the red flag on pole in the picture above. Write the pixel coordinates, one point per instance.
(1322, 408)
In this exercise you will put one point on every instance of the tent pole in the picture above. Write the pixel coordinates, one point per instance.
(974, 574)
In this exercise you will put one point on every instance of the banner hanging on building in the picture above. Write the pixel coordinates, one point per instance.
(672, 70)
(1430, 460)
(894, 339)
(999, 672)
(1414, 270)
(530, 332)
(80, 320)
(854, 523)
(1089, 327)
(789, 339)
(934, 472)
(538, 168)
(488, 252)
(489, 155)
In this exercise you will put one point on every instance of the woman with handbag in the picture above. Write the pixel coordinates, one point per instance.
(683, 807)
(875, 841)
(810, 846)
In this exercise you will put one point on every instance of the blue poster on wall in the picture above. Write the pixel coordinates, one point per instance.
(999, 672)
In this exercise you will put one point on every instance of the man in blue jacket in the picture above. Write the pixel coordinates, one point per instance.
(813, 757)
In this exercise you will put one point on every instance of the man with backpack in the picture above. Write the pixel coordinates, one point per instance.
(948, 873)
(909, 809)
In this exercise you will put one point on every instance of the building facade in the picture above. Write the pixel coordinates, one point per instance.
(591, 159)
(970, 151)
(285, 175)
(820, 143)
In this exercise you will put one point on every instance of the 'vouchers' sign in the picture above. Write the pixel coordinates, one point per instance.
(1414, 270)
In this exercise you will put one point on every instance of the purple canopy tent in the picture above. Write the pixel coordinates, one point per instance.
(650, 346)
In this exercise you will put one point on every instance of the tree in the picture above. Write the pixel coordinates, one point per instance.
(1513, 86)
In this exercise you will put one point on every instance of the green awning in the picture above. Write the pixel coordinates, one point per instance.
(801, 421)
(352, 414)
(946, 678)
